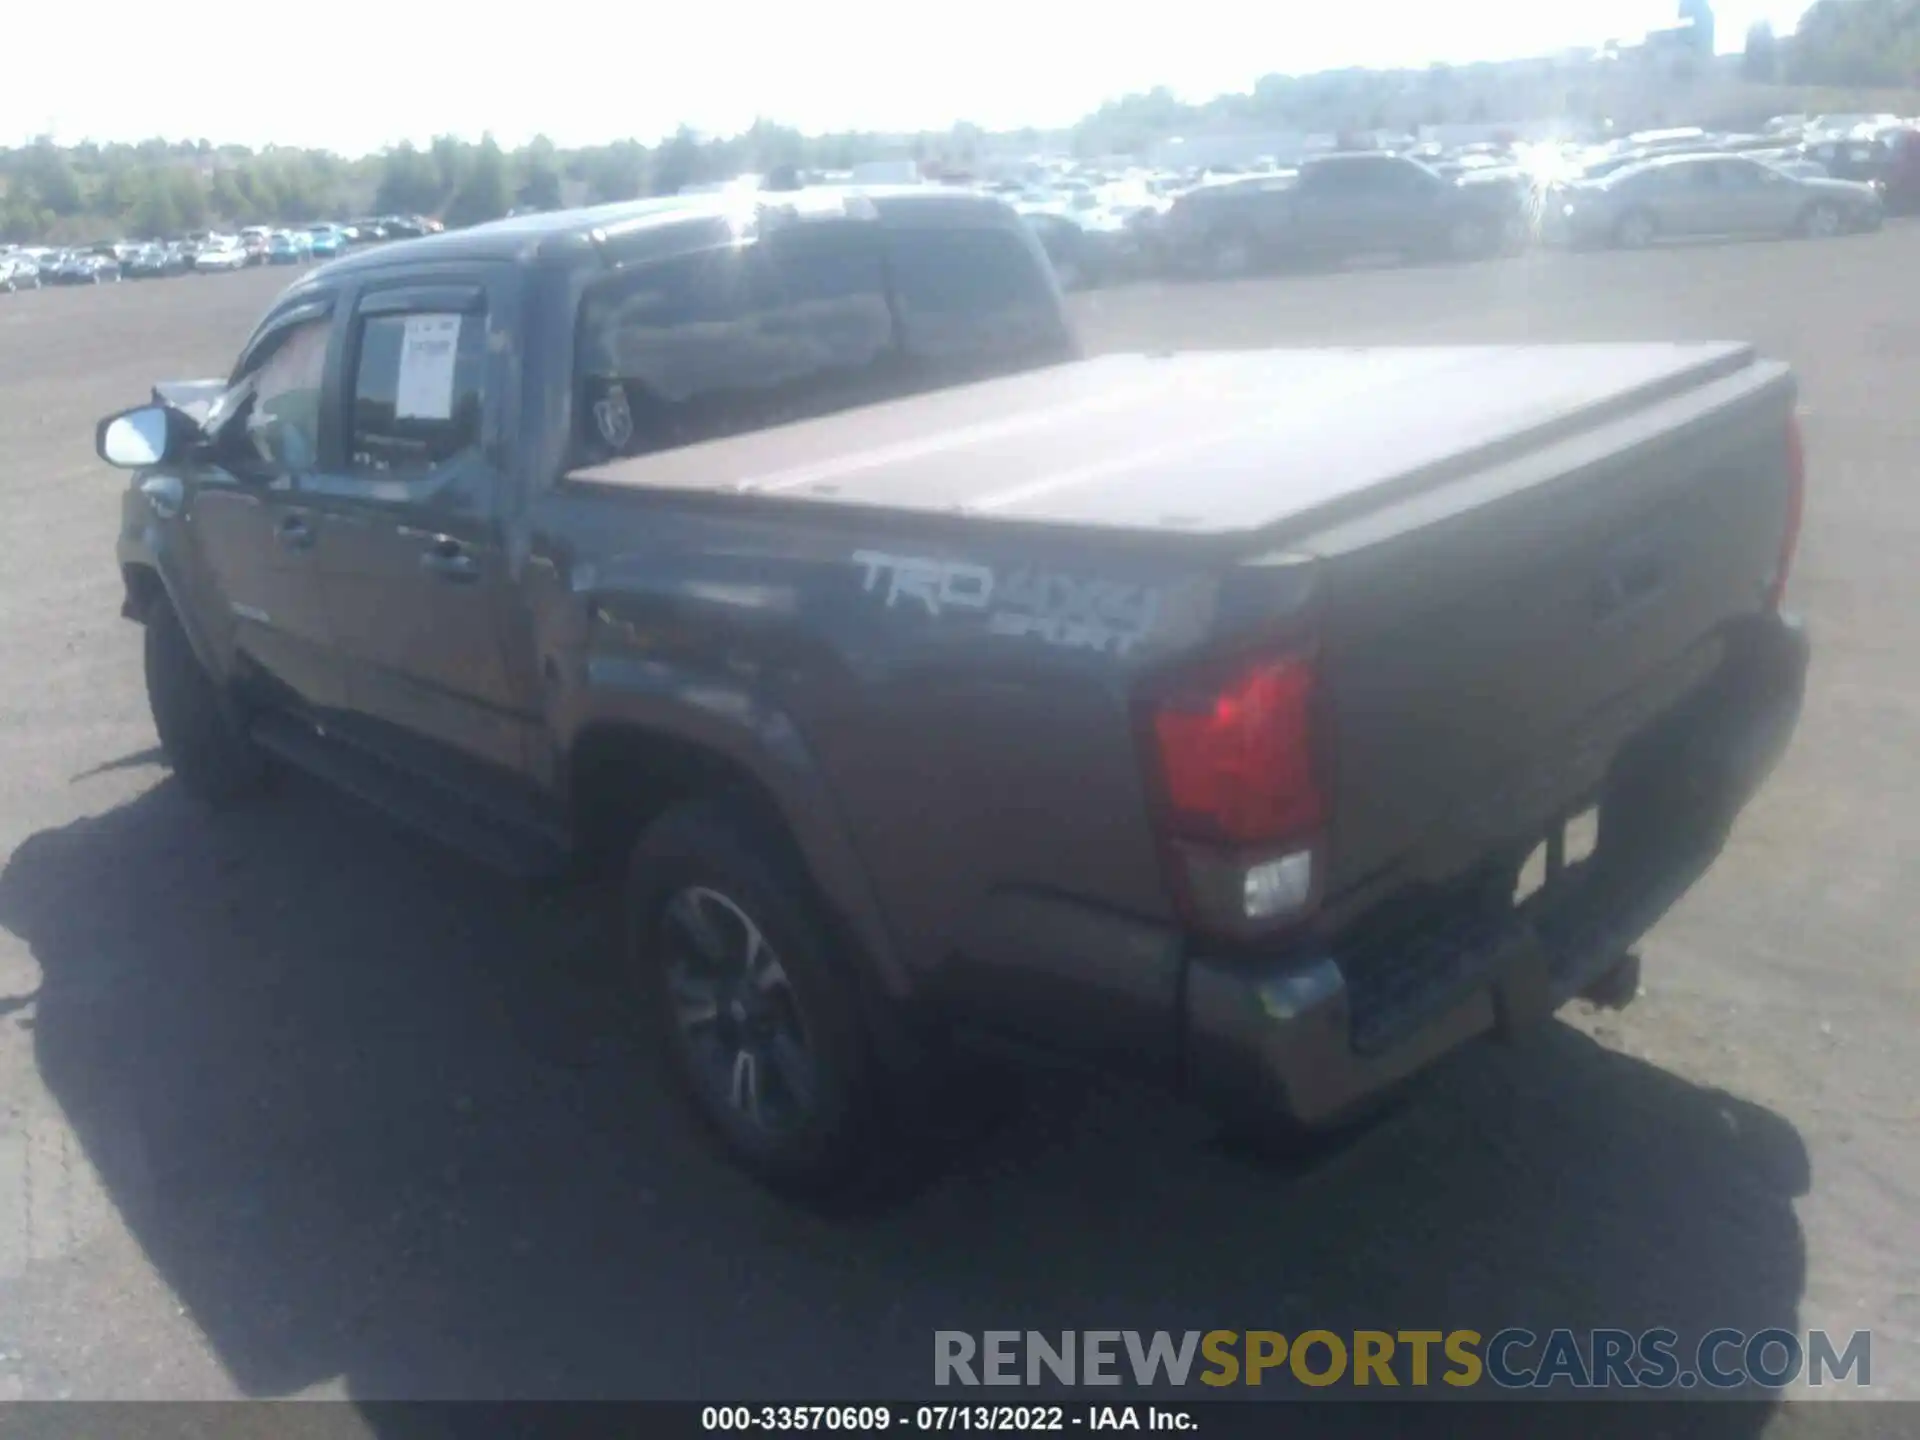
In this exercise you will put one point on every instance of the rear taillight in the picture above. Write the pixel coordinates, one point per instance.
(1242, 809)
(1236, 759)
(1796, 508)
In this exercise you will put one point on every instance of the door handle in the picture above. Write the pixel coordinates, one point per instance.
(449, 559)
(294, 533)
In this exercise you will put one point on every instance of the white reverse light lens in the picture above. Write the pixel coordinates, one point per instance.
(1277, 887)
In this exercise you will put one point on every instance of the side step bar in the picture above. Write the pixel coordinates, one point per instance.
(513, 848)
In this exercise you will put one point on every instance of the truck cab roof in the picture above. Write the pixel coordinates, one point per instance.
(636, 229)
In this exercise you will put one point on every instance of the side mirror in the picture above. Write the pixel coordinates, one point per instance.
(149, 435)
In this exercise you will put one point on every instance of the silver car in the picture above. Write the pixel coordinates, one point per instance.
(1689, 196)
(18, 272)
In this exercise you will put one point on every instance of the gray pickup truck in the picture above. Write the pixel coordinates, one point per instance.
(1266, 723)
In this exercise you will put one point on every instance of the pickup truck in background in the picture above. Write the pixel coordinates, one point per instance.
(1264, 723)
(1340, 207)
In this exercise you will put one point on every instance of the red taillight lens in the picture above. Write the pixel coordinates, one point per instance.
(1236, 760)
(1796, 508)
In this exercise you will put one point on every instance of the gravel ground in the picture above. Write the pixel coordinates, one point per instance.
(292, 1104)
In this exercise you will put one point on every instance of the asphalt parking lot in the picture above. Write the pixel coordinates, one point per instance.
(291, 1103)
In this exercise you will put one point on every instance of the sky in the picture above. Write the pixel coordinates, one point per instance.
(357, 75)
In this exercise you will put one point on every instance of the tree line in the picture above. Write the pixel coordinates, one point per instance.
(1846, 42)
(159, 188)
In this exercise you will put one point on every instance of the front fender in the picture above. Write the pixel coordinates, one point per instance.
(154, 545)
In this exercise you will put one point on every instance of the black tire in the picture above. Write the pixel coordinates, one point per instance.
(1231, 253)
(198, 728)
(710, 867)
(1821, 221)
(1635, 231)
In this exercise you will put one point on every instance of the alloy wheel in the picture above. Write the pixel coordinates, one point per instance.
(736, 1013)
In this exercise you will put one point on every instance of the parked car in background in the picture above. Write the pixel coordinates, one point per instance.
(18, 272)
(1900, 180)
(1799, 169)
(1843, 125)
(1691, 196)
(325, 241)
(220, 254)
(150, 262)
(283, 248)
(1079, 261)
(1677, 140)
(1340, 206)
(87, 268)
(1864, 159)
(1888, 158)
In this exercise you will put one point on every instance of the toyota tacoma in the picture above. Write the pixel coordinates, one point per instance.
(1263, 723)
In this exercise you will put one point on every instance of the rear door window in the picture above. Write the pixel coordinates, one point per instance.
(832, 288)
(745, 336)
(418, 389)
(731, 339)
(972, 295)
(680, 328)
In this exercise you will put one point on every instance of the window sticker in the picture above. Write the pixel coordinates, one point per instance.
(427, 354)
(614, 417)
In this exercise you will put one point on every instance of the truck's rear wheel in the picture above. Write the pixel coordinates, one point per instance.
(197, 727)
(758, 1019)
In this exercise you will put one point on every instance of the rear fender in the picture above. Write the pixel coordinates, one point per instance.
(728, 720)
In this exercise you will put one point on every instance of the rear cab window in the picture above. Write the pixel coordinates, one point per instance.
(812, 316)
(970, 295)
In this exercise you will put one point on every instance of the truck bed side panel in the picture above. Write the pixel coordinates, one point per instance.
(966, 698)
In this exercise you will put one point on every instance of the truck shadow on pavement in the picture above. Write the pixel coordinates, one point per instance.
(378, 1120)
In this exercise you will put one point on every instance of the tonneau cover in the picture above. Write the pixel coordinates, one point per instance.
(1204, 443)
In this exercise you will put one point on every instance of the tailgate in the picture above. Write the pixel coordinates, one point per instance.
(1490, 643)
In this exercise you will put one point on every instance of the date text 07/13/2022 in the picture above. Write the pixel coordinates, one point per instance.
(943, 1419)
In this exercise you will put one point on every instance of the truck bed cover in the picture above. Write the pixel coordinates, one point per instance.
(1205, 444)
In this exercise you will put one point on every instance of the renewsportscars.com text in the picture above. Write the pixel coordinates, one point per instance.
(1511, 1359)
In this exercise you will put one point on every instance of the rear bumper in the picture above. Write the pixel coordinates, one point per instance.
(1311, 1034)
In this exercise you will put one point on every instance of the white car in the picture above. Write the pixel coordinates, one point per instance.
(222, 255)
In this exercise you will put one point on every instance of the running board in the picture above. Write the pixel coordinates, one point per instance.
(515, 849)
